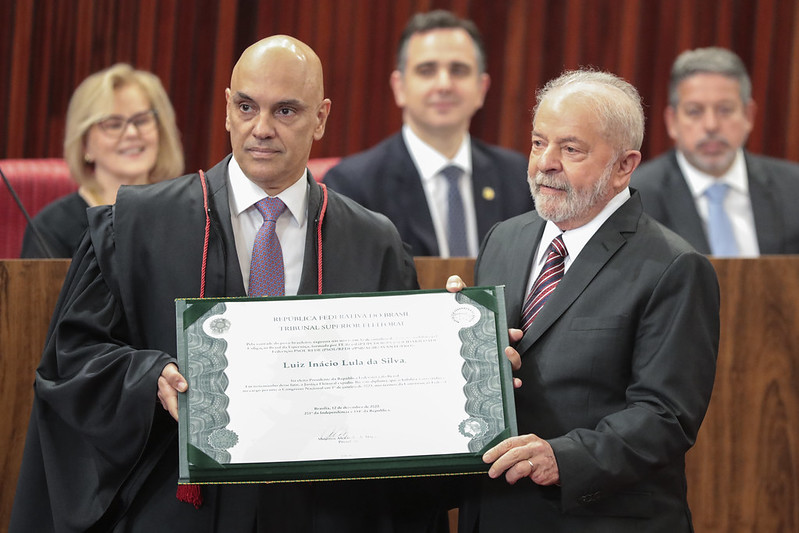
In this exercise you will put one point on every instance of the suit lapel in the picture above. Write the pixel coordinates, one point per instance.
(521, 262)
(597, 252)
(683, 215)
(309, 280)
(765, 208)
(223, 275)
(409, 189)
(484, 191)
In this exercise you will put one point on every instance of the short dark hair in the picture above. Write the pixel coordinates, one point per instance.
(435, 20)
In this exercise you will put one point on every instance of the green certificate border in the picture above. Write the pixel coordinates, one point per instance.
(198, 466)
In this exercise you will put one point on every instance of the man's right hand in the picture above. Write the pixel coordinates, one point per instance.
(456, 284)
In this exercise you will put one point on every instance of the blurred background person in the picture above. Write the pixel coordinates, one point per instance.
(721, 198)
(442, 188)
(120, 130)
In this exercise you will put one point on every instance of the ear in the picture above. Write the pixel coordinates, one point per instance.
(321, 119)
(485, 82)
(750, 111)
(227, 109)
(398, 87)
(627, 162)
(670, 117)
(88, 158)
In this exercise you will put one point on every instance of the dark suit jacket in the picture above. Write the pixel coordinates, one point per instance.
(773, 189)
(384, 179)
(101, 454)
(617, 371)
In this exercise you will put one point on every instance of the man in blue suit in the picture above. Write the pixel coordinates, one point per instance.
(441, 188)
(709, 117)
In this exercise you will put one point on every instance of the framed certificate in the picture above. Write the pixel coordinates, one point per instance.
(342, 386)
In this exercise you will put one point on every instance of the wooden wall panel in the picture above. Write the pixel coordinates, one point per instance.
(28, 294)
(51, 45)
(743, 473)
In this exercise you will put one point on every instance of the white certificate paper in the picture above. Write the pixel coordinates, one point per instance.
(275, 381)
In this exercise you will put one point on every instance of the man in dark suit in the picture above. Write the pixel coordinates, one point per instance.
(101, 452)
(617, 357)
(440, 82)
(709, 117)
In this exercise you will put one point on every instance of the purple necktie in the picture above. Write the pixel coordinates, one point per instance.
(266, 266)
(547, 281)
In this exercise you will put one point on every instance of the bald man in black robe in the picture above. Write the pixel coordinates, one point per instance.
(101, 452)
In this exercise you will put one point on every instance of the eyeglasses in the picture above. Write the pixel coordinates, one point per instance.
(116, 125)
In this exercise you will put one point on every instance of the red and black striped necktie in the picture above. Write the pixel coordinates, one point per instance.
(547, 281)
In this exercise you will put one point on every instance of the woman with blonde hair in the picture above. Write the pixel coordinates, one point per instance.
(120, 130)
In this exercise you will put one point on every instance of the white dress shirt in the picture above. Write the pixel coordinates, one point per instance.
(290, 227)
(737, 203)
(429, 163)
(574, 239)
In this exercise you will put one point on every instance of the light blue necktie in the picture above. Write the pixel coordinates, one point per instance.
(456, 219)
(719, 227)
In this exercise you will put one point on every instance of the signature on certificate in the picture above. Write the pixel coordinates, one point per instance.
(343, 436)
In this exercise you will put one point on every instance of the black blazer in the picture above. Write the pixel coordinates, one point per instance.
(384, 179)
(617, 371)
(773, 189)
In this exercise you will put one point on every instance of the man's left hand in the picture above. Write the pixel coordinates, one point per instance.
(170, 382)
(523, 456)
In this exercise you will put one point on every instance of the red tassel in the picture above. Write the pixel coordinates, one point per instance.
(190, 493)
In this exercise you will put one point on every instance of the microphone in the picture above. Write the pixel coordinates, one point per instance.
(39, 238)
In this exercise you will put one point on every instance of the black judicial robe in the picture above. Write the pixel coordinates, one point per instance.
(101, 453)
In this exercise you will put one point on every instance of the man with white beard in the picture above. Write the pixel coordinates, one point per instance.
(618, 329)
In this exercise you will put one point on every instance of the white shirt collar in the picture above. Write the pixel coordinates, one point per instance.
(244, 193)
(699, 181)
(576, 239)
(429, 162)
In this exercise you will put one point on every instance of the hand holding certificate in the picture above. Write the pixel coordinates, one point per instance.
(329, 387)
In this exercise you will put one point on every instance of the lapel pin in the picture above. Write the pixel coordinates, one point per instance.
(488, 193)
